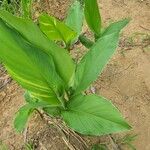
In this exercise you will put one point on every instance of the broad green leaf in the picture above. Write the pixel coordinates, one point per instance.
(29, 66)
(30, 31)
(92, 16)
(93, 63)
(115, 27)
(75, 18)
(25, 112)
(28, 97)
(37, 103)
(52, 111)
(55, 29)
(34, 101)
(22, 117)
(93, 115)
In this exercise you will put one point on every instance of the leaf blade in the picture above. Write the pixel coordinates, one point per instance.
(94, 61)
(115, 27)
(98, 56)
(30, 31)
(93, 115)
(22, 117)
(37, 103)
(56, 30)
(75, 18)
(92, 16)
(26, 64)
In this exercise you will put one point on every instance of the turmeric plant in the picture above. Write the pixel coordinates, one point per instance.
(52, 80)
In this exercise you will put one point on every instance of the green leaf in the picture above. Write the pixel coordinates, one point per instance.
(29, 146)
(93, 115)
(30, 31)
(28, 97)
(55, 29)
(93, 63)
(29, 66)
(115, 27)
(75, 18)
(92, 16)
(37, 103)
(26, 6)
(22, 117)
(52, 111)
(127, 140)
(99, 147)
(3, 146)
(85, 41)
(24, 112)
(34, 101)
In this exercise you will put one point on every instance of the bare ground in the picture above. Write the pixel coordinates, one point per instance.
(126, 81)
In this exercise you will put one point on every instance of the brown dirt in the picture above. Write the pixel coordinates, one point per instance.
(126, 81)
